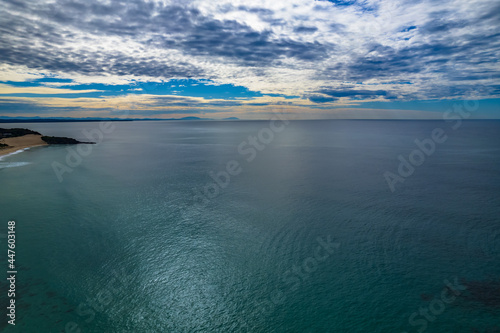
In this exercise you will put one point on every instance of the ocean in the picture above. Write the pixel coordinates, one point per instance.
(255, 226)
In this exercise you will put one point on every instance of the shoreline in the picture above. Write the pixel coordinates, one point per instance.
(20, 143)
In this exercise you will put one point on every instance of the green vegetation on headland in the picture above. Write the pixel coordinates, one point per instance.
(54, 140)
(13, 132)
(6, 133)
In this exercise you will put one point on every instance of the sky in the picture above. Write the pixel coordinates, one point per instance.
(312, 59)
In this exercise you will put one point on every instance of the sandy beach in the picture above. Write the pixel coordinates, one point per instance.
(21, 142)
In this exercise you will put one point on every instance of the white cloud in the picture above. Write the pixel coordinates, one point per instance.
(295, 47)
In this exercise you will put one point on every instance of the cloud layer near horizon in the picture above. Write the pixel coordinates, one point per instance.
(310, 55)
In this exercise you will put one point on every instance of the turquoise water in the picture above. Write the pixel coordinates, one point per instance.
(125, 242)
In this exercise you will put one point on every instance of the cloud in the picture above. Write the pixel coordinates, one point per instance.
(9, 90)
(304, 29)
(163, 27)
(321, 99)
(332, 52)
(353, 93)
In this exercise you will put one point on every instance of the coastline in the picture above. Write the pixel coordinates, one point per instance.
(20, 143)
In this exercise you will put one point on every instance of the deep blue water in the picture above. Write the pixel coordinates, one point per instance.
(138, 237)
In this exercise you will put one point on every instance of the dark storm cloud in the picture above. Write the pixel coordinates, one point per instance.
(492, 16)
(41, 43)
(337, 27)
(304, 29)
(364, 5)
(92, 63)
(321, 99)
(353, 93)
(442, 26)
(256, 10)
(436, 48)
(239, 43)
(447, 56)
(473, 76)
(438, 53)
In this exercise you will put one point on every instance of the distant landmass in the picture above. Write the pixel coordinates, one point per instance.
(5, 119)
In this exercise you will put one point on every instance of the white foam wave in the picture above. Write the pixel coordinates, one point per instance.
(14, 153)
(4, 165)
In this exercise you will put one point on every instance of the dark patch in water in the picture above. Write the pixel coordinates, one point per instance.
(486, 292)
(22, 305)
(495, 329)
(427, 297)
